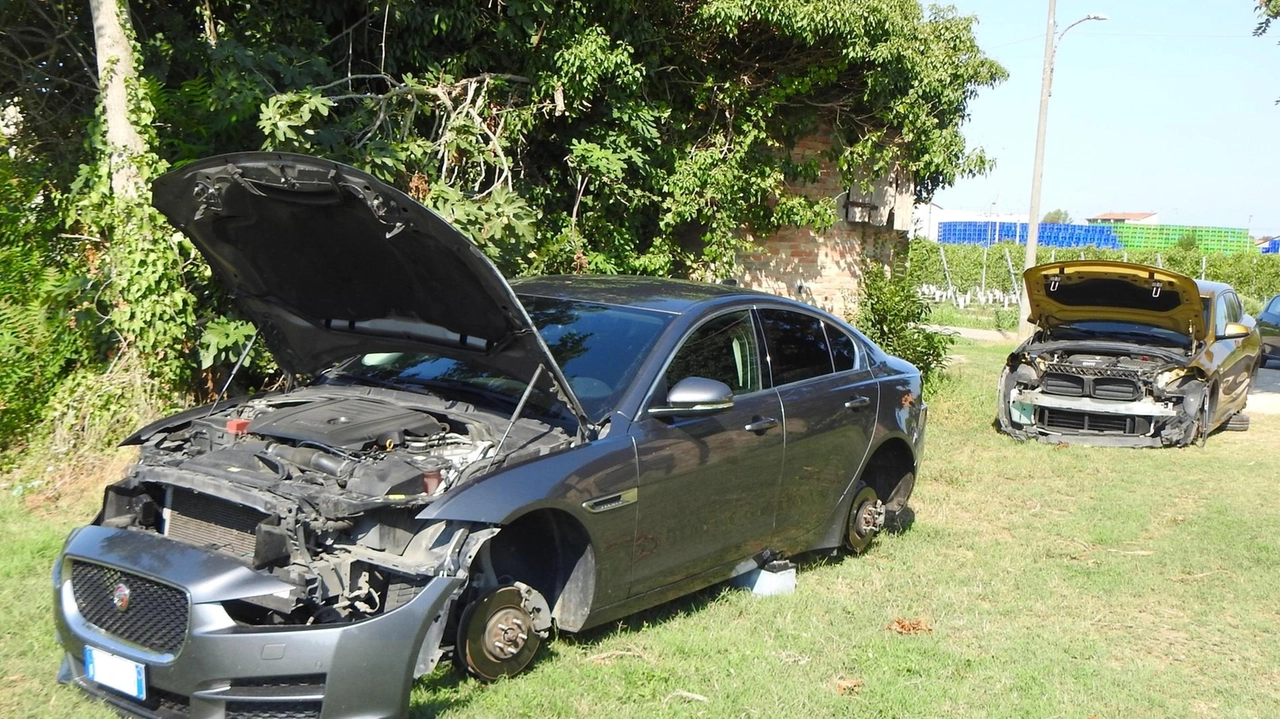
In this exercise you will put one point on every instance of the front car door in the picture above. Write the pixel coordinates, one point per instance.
(1238, 366)
(706, 484)
(1269, 328)
(829, 401)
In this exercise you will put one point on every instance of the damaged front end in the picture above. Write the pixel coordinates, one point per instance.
(266, 557)
(1101, 393)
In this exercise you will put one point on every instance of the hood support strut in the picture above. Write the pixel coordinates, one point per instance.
(537, 374)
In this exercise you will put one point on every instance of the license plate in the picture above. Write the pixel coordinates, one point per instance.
(125, 676)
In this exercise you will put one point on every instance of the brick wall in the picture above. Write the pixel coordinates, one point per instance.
(825, 268)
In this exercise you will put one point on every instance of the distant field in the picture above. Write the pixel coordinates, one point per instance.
(1036, 581)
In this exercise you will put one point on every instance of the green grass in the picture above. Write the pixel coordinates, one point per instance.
(1057, 582)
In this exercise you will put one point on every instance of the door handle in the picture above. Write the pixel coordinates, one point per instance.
(760, 424)
(857, 403)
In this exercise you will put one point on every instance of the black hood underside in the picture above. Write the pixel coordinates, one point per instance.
(330, 262)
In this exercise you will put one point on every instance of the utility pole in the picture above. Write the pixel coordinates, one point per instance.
(1051, 38)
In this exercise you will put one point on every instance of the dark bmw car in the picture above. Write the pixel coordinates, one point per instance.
(467, 464)
(1269, 328)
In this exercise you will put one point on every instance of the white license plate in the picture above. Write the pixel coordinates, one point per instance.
(105, 668)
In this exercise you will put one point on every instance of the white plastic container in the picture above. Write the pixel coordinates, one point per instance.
(778, 577)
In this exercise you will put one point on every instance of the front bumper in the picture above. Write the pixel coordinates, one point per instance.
(224, 670)
(1033, 414)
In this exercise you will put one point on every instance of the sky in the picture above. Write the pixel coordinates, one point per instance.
(1169, 106)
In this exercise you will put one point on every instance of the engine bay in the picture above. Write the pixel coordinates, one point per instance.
(320, 487)
(1102, 392)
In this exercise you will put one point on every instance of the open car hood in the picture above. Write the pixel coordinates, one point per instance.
(1082, 290)
(330, 262)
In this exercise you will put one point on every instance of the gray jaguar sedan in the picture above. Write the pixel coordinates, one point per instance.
(460, 464)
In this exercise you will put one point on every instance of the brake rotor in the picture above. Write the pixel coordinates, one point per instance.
(496, 635)
(866, 519)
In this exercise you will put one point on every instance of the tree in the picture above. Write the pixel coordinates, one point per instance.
(116, 73)
(1057, 217)
(1268, 10)
(602, 135)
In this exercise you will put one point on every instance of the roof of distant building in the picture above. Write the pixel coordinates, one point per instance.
(1123, 216)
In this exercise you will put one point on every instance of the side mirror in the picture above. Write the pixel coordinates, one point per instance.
(1235, 330)
(695, 397)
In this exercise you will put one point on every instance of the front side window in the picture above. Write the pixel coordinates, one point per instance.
(1274, 306)
(1220, 316)
(723, 349)
(1235, 310)
(798, 348)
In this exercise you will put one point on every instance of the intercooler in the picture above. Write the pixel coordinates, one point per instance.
(207, 521)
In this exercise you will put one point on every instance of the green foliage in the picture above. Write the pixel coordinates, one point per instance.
(223, 340)
(45, 328)
(601, 136)
(1057, 217)
(1268, 10)
(893, 315)
(1188, 241)
(1252, 274)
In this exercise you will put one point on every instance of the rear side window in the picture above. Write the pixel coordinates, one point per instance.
(798, 348)
(844, 351)
(1274, 306)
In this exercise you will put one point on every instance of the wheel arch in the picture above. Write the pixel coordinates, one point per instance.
(887, 466)
(550, 550)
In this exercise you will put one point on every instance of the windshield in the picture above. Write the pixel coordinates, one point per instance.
(1121, 331)
(599, 348)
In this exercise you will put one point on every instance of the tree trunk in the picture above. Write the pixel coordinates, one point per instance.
(111, 35)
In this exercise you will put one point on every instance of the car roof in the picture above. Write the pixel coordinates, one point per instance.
(1212, 289)
(654, 293)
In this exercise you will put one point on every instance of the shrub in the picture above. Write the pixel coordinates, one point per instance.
(893, 315)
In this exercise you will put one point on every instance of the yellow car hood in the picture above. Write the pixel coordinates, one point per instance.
(1082, 290)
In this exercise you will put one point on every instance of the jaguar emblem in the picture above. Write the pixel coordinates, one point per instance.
(120, 597)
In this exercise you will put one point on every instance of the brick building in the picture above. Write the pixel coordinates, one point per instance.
(825, 268)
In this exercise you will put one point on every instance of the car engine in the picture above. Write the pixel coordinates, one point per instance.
(320, 487)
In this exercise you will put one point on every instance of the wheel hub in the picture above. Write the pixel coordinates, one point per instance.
(869, 519)
(506, 633)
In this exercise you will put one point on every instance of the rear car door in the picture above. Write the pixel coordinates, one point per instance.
(706, 484)
(829, 401)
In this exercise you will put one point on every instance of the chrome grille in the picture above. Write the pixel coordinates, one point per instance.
(155, 616)
(211, 522)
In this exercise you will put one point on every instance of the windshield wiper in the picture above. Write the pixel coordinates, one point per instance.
(460, 386)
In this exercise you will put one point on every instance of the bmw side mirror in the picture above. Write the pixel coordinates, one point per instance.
(1235, 330)
(695, 397)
